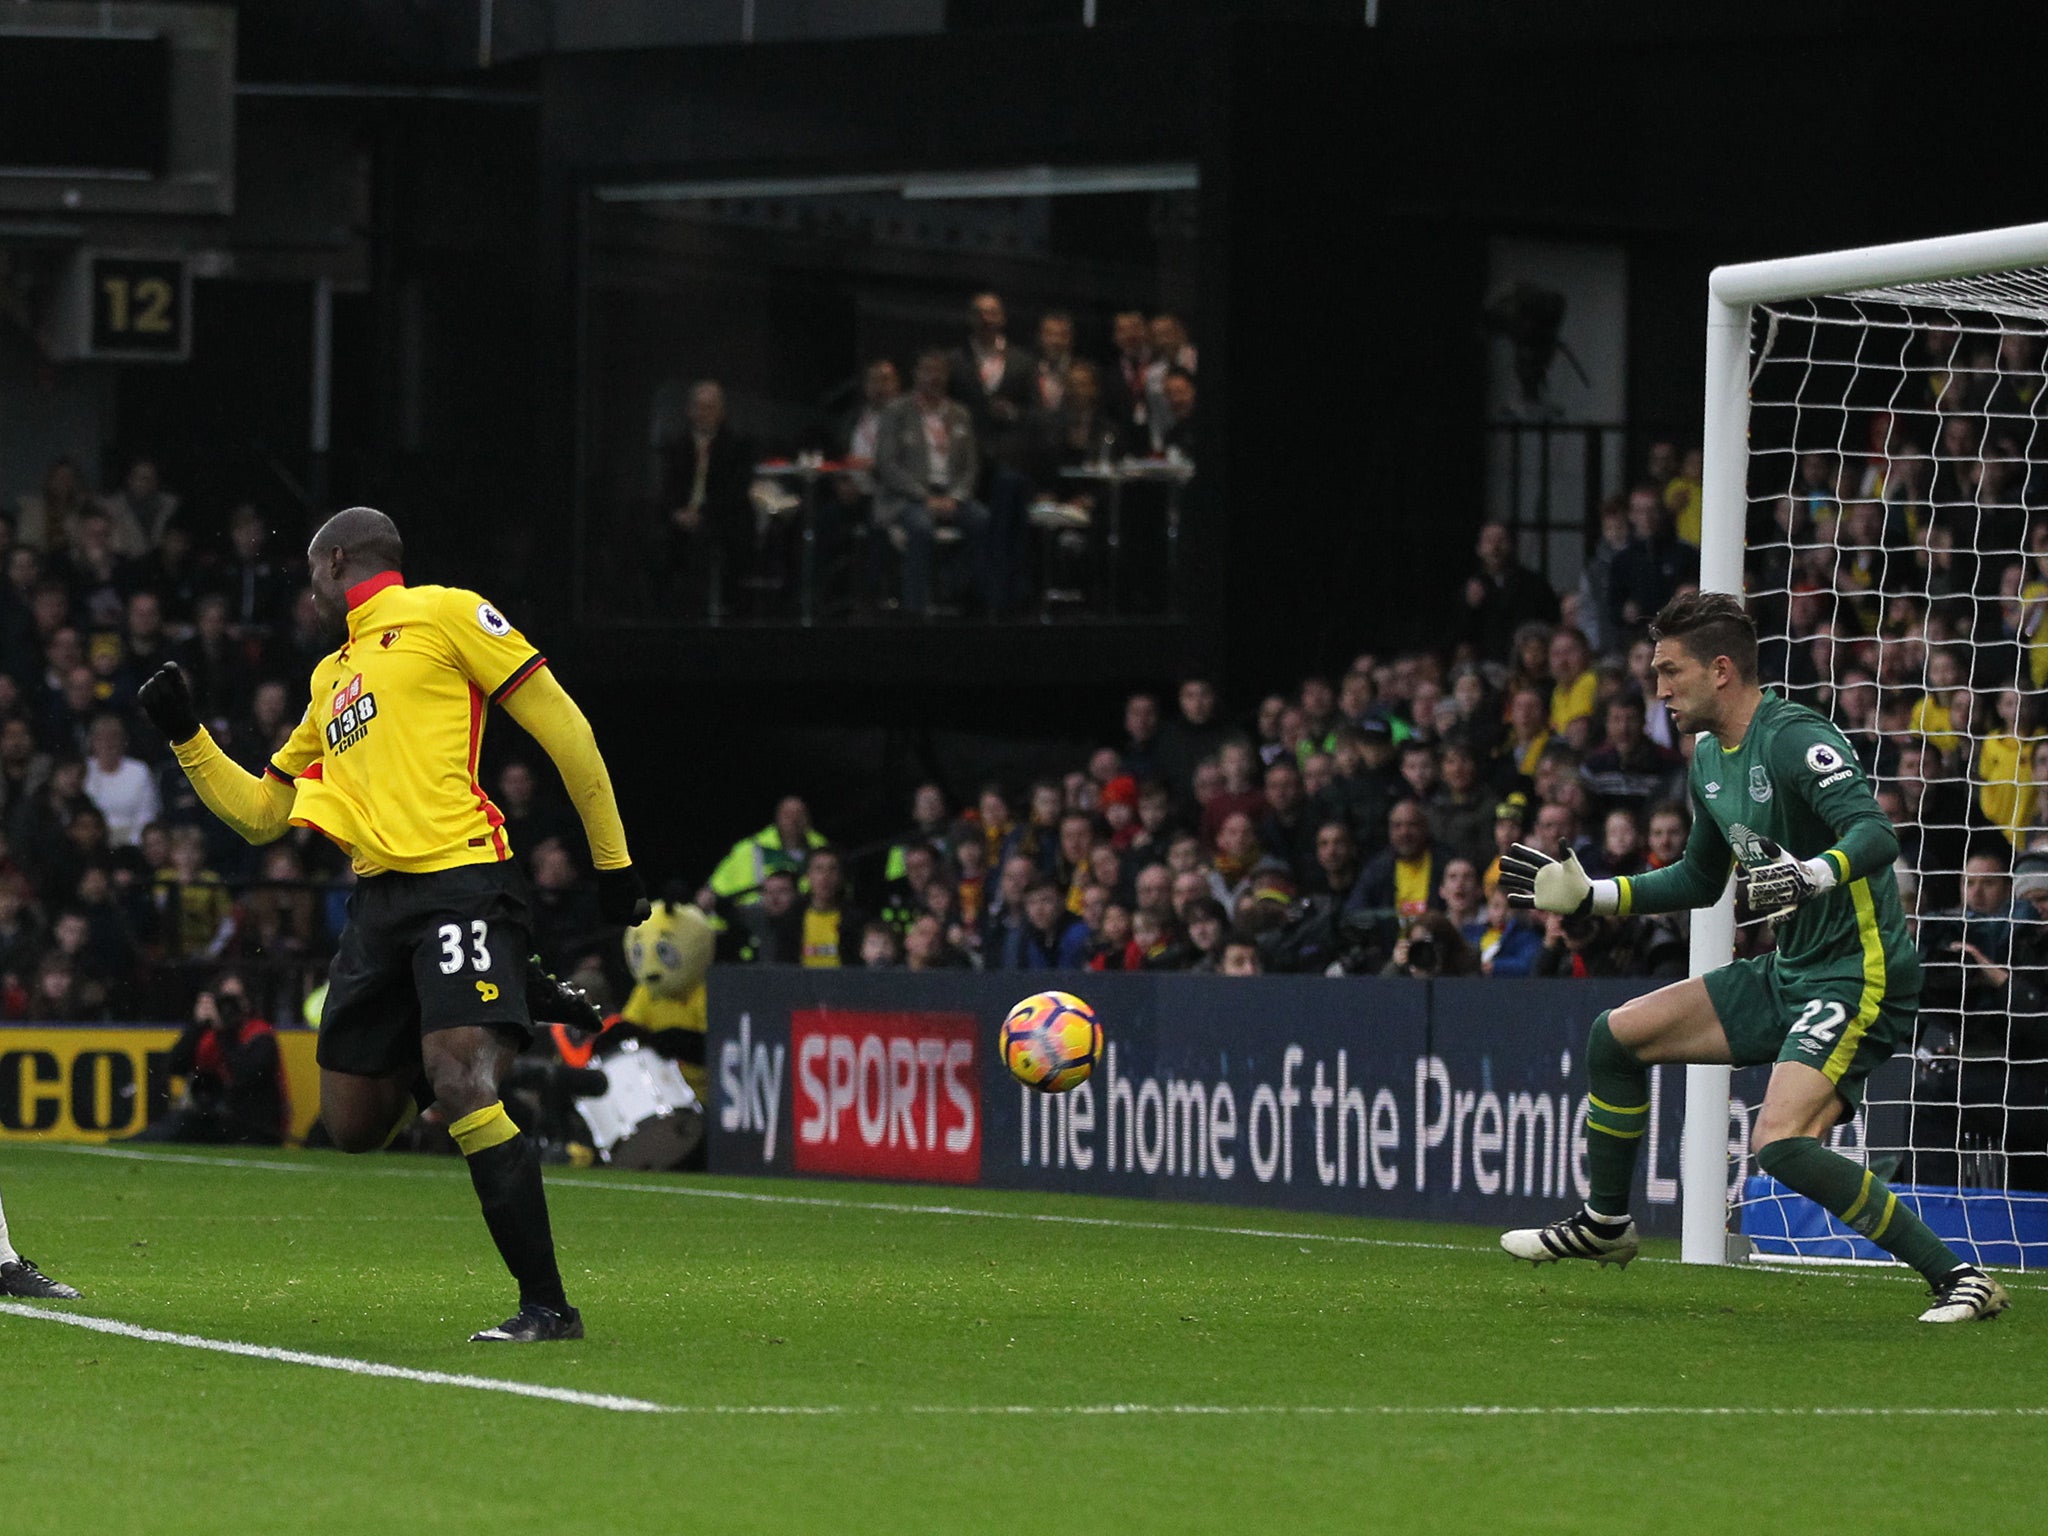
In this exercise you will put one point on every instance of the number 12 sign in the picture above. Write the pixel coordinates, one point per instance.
(141, 307)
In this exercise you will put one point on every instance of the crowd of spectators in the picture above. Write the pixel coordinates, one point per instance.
(1353, 824)
(1350, 825)
(119, 894)
(1347, 828)
(967, 448)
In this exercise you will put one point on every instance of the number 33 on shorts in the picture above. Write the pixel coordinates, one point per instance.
(1819, 1025)
(479, 956)
(465, 951)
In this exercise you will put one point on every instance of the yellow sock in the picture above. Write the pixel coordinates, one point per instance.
(479, 1132)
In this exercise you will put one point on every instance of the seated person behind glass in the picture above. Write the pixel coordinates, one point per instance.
(234, 1076)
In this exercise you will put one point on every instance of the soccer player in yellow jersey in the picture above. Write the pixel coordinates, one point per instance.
(432, 972)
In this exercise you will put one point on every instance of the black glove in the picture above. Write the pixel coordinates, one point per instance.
(167, 699)
(621, 898)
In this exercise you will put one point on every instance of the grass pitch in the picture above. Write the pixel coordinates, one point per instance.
(849, 1358)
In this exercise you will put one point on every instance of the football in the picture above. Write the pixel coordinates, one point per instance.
(1051, 1041)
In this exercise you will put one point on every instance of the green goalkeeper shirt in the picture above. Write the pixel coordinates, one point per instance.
(1795, 781)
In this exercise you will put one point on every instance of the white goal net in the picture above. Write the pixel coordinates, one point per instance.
(1893, 527)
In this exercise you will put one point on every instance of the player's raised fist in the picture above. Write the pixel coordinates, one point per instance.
(167, 699)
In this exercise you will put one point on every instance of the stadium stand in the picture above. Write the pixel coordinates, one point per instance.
(1348, 825)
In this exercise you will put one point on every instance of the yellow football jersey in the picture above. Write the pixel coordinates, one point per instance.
(1574, 700)
(384, 762)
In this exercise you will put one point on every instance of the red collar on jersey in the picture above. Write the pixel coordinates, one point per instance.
(363, 591)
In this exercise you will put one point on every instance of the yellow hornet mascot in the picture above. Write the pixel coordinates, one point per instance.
(668, 956)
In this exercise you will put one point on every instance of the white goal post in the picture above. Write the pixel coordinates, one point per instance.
(1957, 274)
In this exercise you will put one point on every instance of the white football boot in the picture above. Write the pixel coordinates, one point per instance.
(1575, 1237)
(1966, 1295)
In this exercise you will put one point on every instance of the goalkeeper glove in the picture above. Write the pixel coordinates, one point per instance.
(167, 699)
(621, 898)
(1782, 882)
(1532, 878)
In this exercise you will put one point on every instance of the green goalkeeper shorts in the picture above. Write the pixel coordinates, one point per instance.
(1830, 1025)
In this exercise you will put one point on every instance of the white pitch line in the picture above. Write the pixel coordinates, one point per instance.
(256, 1219)
(334, 1362)
(617, 1404)
(1875, 1271)
(894, 1207)
(170, 1157)
(1479, 1412)
(912, 1208)
(906, 1207)
(1336, 1412)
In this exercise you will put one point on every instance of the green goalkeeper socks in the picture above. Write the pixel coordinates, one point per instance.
(1618, 1113)
(1860, 1198)
(1616, 1117)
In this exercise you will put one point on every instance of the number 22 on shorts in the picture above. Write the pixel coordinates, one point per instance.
(1820, 1021)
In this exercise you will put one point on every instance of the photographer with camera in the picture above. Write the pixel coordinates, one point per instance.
(1580, 945)
(1430, 947)
(234, 1076)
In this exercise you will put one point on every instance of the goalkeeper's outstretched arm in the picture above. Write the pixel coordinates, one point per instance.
(1532, 878)
(1816, 767)
(1696, 880)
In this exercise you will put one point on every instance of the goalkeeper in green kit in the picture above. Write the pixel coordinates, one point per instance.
(1776, 791)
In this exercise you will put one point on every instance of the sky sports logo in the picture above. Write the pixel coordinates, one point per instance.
(887, 1095)
(891, 1095)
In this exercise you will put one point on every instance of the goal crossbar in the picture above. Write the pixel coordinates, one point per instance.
(1981, 254)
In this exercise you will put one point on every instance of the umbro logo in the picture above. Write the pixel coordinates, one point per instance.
(1712, 791)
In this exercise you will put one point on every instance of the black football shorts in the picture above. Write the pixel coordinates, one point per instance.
(422, 953)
